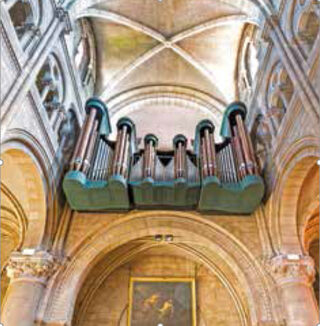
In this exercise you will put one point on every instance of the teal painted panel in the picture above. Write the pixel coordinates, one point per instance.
(175, 194)
(242, 197)
(86, 195)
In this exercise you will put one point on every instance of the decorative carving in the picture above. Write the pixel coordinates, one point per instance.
(40, 265)
(50, 84)
(293, 269)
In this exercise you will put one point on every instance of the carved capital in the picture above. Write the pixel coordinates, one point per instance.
(40, 265)
(293, 268)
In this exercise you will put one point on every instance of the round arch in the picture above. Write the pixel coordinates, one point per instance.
(295, 164)
(26, 174)
(191, 230)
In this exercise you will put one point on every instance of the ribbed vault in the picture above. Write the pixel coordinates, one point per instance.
(171, 43)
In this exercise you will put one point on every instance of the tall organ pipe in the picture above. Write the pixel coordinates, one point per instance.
(209, 152)
(76, 150)
(124, 162)
(122, 148)
(151, 142)
(206, 148)
(239, 154)
(82, 144)
(90, 149)
(204, 159)
(244, 144)
(180, 153)
(116, 152)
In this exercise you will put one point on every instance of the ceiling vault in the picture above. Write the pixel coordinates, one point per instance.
(165, 43)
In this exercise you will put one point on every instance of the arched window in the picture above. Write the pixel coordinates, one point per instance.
(24, 16)
(50, 85)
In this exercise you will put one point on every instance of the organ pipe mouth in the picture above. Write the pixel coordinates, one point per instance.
(234, 109)
(179, 139)
(153, 138)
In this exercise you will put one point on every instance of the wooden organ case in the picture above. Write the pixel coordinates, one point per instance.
(117, 175)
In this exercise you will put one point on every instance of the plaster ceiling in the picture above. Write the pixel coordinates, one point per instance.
(188, 44)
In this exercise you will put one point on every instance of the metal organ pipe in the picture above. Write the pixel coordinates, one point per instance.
(244, 144)
(82, 144)
(123, 140)
(180, 159)
(89, 152)
(95, 167)
(120, 164)
(239, 154)
(149, 159)
(76, 150)
(124, 163)
(204, 159)
(208, 153)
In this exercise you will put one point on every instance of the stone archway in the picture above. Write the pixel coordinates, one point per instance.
(22, 179)
(295, 166)
(23, 207)
(207, 239)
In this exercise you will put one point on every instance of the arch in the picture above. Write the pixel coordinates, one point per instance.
(126, 254)
(25, 17)
(14, 224)
(303, 26)
(262, 7)
(191, 230)
(294, 164)
(197, 105)
(85, 52)
(32, 186)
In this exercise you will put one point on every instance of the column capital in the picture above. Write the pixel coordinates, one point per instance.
(293, 268)
(40, 266)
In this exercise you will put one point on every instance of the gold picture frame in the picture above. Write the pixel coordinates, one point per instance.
(160, 300)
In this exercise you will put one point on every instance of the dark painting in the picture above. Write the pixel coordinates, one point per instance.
(162, 302)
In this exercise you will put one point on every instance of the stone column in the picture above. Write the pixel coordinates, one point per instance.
(28, 277)
(294, 275)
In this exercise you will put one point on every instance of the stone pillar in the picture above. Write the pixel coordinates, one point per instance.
(294, 275)
(28, 277)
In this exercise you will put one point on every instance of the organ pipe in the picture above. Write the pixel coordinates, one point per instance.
(89, 153)
(121, 158)
(149, 157)
(83, 140)
(180, 158)
(207, 152)
(244, 144)
(239, 154)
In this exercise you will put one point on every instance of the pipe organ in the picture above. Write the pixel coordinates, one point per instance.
(117, 175)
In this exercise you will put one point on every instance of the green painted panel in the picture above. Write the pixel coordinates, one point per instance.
(85, 195)
(175, 194)
(242, 197)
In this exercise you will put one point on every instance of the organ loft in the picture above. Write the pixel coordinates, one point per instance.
(160, 162)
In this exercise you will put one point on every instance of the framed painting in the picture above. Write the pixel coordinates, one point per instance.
(162, 302)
